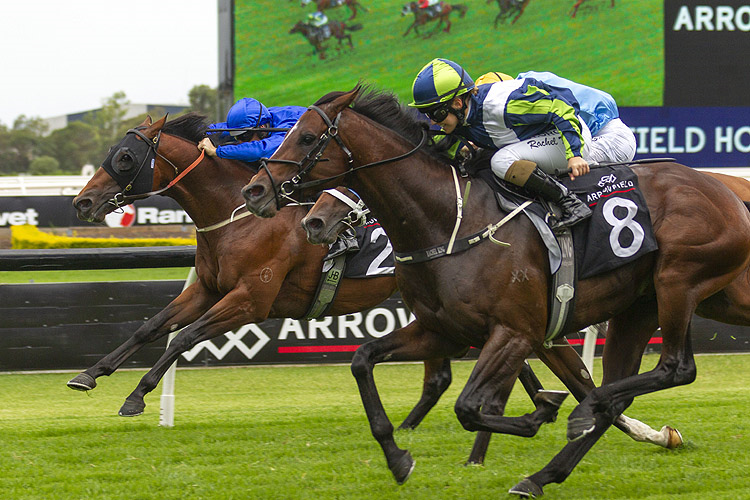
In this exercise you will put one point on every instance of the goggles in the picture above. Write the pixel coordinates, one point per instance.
(439, 112)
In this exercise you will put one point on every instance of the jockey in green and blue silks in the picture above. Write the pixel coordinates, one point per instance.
(612, 140)
(535, 129)
(252, 146)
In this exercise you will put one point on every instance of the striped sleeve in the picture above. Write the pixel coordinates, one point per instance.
(535, 104)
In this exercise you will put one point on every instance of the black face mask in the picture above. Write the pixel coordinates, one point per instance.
(131, 162)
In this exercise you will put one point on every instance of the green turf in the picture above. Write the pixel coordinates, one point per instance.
(619, 49)
(164, 273)
(301, 433)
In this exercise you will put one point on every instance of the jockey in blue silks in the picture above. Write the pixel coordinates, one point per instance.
(252, 145)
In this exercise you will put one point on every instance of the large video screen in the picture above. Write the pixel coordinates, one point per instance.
(617, 46)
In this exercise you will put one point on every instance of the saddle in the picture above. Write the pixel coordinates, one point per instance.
(618, 232)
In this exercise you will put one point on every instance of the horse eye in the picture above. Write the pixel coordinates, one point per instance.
(307, 139)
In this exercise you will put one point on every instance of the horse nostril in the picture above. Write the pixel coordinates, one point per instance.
(253, 191)
(314, 224)
(82, 204)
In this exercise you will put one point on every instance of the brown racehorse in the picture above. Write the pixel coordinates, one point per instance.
(509, 8)
(316, 36)
(580, 2)
(249, 270)
(322, 5)
(472, 298)
(424, 16)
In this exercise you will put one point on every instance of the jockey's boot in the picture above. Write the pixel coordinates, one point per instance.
(526, 174)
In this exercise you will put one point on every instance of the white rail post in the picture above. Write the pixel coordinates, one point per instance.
(589, 345)
(166, 412)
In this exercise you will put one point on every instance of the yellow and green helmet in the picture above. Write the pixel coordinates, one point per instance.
(439, 81)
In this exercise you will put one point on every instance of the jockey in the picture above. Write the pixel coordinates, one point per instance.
(252, 145)
(612, 140)
(317, 19)
(423, 4)
(535, 129)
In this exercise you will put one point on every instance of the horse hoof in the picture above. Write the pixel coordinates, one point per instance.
(403, 468)
(550, 401)
(132, 408)
(526, 489)
(82, 382)
(579, 427)
(674, 437)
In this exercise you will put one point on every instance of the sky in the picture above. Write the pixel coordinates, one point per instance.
(62, 57)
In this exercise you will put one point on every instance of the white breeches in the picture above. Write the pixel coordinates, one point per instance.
(546, 150)
(614, 143)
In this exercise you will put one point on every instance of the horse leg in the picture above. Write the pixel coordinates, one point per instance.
(183, 310)
(409, 343)
(520, 12)
(491, 382)
(575, 7)
(437, 378)
(568, 366)
(412, 25)
(622, 353)
(232, 311)
(533, 386)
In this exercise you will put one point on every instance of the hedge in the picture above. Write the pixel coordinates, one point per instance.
(28, 236)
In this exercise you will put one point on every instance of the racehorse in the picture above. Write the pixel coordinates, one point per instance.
(508, 8)
(316, 36)
(424, 16)
(248, 270)
(580, 2)
(322, 5)
(474, 297)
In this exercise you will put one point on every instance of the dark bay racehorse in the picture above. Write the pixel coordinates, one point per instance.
(316, 36)
(248, 270)
(424, 16)
(508, 9)
(322, 5)
(472, 298)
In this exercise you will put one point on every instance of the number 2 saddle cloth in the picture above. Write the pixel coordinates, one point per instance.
(368, 251)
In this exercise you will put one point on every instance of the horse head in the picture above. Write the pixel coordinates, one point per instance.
(124, 168)
(407, 9)
(301, 156)
(335, 211)
(300, 27)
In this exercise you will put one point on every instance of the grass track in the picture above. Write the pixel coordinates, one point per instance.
(301, 432)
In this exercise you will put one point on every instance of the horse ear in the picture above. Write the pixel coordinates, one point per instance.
(346, 99)
(146, 122)
(159, 124)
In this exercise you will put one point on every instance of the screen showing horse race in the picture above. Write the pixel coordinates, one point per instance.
(673, 66)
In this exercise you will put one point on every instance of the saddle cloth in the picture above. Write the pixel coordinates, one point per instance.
(368, 252)
(618, 232)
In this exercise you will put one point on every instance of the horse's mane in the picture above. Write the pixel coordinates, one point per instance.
(191, 126)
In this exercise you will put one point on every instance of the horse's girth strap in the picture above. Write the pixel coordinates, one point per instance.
(327, 288)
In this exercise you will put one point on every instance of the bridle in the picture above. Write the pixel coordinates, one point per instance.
(315, 155)
(357, 216)
(120, 199)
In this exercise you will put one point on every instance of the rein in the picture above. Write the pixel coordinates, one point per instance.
(287, 188)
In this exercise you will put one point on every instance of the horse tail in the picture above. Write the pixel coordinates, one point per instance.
(353, 27)
(363, 7)
(461, 8)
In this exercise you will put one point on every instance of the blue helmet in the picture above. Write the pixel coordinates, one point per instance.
(247, 112)
(440, 80)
